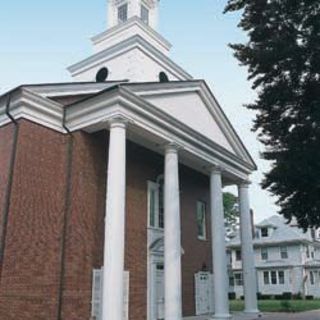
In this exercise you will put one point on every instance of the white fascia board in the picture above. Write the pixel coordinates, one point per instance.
(136, 25)
(210, 102)
(25, 104)
(123, 47)
(69, 89)
(94, 111)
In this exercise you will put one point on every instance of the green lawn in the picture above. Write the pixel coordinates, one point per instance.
(279, 305)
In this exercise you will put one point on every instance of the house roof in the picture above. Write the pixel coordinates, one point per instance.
(282, 233)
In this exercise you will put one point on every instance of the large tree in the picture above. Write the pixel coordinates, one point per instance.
(283, 59)
(231, 212)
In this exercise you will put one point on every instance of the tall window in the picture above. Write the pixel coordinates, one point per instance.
(281, 277)
(238, 255)
(201, 220)
(144, 14)
(284, 252)
(273, 277)
(123, 13)
(156, 204)
(266, 277)
(264, 253)
(312, 278)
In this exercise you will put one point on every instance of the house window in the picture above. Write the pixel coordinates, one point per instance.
(281, 277)
(156, 204)
(264, 253)
(264, 232)
(238, 255)
(201, 220)
(123, 13)
(144, 14)
(308, 252)
(266, 279)
(284, 252)
(312, 278)
(238, 279)
(273, 277)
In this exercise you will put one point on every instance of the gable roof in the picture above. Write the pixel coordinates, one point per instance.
(283, 233)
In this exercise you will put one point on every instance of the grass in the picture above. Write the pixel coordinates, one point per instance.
(279, 305)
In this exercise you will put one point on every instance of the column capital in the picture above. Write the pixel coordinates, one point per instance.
(244, 184)
(172, 147)
(118, 121)
(216, 169)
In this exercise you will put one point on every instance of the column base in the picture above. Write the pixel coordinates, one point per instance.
(253, 312)
(221, 316)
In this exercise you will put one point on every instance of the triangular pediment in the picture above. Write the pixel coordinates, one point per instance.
(193, 104)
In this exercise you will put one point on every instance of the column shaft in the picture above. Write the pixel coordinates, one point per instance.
(220, 274)
(112, 301)
(172, 237)
(247, 252)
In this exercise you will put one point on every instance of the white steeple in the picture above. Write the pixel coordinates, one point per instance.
(130, 48)
(119, 11)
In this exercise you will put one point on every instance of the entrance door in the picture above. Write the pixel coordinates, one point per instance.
(160, 291)
(204, 293)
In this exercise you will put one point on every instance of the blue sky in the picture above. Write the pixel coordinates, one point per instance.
(39, 39)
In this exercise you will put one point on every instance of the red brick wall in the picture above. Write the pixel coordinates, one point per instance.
(197, 253)
(85, 231)
(31, 260)
(6, 145)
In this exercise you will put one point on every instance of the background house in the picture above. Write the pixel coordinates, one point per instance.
(287, 259)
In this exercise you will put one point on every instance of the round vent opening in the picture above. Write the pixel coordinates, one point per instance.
(163, 77)
(102, 75)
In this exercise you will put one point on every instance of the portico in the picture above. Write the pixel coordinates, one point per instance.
(177, 144)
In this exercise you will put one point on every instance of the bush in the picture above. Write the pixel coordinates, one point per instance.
(287, 296)
(297, 296)
(309, 297)
(286, 306)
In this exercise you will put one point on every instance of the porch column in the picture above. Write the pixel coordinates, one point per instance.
(112, 300)
(247, 252)
(220, 267)
(172, 236)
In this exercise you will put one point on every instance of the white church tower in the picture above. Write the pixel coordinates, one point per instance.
(131, 48)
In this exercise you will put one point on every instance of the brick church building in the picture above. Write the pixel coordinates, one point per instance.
(111, 187)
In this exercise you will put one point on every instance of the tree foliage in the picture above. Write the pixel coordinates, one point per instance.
(283, 59)
(231, 211)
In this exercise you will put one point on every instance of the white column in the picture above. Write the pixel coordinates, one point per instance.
(247, 252)
(112, 300)
(219, 255)
(172, 236)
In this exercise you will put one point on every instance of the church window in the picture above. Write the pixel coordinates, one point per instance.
(123, 13)
(144, 14)
(201, 220)
(102, 75)
(156, 204)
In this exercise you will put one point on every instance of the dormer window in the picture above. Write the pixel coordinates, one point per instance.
(264, 232)
(123, 13)
(144, 14)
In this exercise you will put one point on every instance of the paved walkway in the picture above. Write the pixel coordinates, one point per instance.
(310, 315)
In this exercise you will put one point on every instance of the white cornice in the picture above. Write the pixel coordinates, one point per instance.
(125, 46)
(132, 22)
(92, 113)
(27, 105)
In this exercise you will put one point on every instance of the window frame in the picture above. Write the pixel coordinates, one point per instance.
(153, 187)
(203, 205)
(284, 254)
(238, 279)
(125, 13)
(264, 254)
(145, 10)
(262, 233)
(238, 254)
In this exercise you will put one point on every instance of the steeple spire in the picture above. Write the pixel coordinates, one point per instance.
(119, 11)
